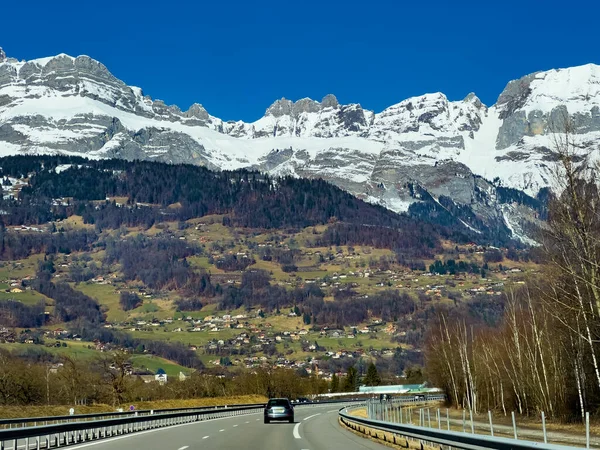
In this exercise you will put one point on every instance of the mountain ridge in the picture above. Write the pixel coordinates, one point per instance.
(74, 105)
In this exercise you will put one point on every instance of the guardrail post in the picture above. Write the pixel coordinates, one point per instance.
(464, 421)
(491, 424)
(544, 427)
(428, 418)
(514, 421)
(448, 419)
(400, 409)
(439, 419)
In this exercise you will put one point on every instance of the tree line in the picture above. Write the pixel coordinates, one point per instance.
(41, 378)
(543, 354)
(250, 199)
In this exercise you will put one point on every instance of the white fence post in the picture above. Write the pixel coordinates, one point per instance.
(514, 421)
(472, 424)
(587, 430)
(544, 427)
(491, 424)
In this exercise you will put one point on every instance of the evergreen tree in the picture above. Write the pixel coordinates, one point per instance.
(372, 378)
(335, 383)
(351, 380)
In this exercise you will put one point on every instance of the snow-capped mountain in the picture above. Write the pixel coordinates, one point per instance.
(447, 149)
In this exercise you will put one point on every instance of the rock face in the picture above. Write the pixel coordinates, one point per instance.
(424, 148)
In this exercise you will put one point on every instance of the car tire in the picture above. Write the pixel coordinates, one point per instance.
(267, 420)
(292, 420)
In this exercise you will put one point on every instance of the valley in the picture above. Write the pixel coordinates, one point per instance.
(315, 299)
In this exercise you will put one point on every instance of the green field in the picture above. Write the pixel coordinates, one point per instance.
(107, 296)
(27, 297)
(153, 363)
(74, 349)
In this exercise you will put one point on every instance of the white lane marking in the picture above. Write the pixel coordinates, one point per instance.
(234, 426)
(333, 410)
(247, 422)
(183, 448)
(205, 437)
(297, 431)
(139, 433)
(220, 431)
(314, 415)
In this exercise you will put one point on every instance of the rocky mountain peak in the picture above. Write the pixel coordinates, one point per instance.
(330, 101)
(472, 98)
(281, 107)
(197, 111)
(2, 55)
(305, 105)
(285, 107)
(536, 104)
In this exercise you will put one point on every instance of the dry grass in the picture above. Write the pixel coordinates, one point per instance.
(359, 412)
(7, 412)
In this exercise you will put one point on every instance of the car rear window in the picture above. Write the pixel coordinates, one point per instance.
(278, 402)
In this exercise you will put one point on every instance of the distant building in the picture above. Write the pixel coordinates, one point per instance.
(398, 389)
(160, 376)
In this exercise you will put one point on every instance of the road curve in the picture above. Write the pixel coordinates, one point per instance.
(315, 428)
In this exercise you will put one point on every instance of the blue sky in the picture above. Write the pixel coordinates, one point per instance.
(237, 57)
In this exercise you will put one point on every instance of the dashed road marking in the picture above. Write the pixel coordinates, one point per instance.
(205, 437)
(234, 426)
(220, 431)
(155, 430)
(183, 448)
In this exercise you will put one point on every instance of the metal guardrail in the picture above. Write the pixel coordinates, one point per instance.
(51, 436)
(79, 431)
(47, 420)
(454, 439)
(22, 421)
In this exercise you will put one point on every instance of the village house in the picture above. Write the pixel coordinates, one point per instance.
(160, 376)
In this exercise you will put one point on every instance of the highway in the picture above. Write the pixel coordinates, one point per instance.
(315, 428)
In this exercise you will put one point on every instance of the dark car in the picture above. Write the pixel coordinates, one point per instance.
(279, 409)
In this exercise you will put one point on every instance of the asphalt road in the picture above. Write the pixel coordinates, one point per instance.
(315, 428)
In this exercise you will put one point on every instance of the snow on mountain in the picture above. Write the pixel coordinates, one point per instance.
(70, 105)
